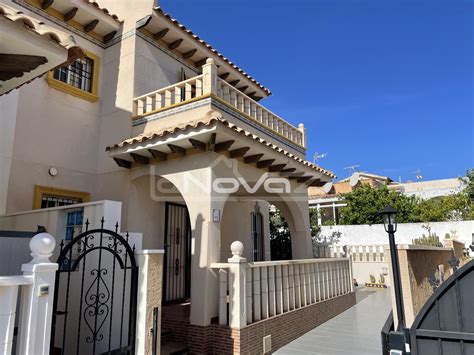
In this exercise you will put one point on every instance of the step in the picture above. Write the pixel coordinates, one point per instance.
(174, 348)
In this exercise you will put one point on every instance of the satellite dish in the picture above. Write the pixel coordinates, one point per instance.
(327, 187)
(354, 179)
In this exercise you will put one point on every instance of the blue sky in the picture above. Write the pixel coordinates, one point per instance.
(387, 85)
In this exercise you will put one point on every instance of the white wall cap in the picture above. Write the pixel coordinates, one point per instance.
(149, 251)
(15, 280)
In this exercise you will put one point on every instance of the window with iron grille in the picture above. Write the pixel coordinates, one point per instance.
(257, 236)
(78, 74)
(48, 201)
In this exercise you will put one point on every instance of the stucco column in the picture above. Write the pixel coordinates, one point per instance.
(205, 212)
(150, 266)
(205, 249)
(237, 287)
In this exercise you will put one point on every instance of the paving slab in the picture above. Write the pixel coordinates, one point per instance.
(355, 331)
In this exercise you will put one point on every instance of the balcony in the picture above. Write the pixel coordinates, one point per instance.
(250, 114)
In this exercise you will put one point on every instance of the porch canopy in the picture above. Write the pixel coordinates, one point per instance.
(213, 133)
(29, 48)
(199, 156)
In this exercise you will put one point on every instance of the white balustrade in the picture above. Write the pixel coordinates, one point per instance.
(261, 290)
(252, 108)
(37, 291)
(208, 83)
(168, 96)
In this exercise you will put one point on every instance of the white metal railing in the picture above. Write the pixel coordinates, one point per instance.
(208, 83)
(36, 286)
(262, 290)
(265, 117)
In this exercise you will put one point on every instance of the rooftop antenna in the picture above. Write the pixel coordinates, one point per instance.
(318, 156)
(418, 174)
(352, 169)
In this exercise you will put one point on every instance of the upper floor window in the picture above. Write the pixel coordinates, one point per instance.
(78, 74)
(80, 78)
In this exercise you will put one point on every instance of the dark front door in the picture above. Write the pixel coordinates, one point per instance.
(178, 253)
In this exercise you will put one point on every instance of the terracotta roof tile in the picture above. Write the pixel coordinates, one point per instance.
(210, 119)
(38, 27)
(104, 10)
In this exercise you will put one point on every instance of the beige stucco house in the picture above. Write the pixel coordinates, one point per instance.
(154, 117)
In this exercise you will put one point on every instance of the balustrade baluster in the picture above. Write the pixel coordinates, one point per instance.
(259, 114)
(303, 285)
(233, 98)
(248, 291)
(188, 91)
(240, 102)
(198, 87)
(257, 294)
(309, 284)
(148, 104)
(291, 288)
(223, 282)
(317, 267)
(226, 93)
(167, 98)
(264, 289)
(177, 94)
(325, 270)
(139, 107)
(253, 110)
(280, 290)
(297, 286)
(338, 280)
(265, 118)
(271, 291)
(158, 101)
(247, 106)
(220, 89)
(286, 289)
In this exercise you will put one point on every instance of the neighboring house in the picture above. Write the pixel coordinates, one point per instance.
(327, 199)
(155, 118)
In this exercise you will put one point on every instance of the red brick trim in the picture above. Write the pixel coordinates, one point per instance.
(284, 328)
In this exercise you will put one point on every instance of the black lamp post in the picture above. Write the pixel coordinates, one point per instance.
(389, 215)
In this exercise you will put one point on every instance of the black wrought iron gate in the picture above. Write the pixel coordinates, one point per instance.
(95, 300)
(177, 264)
(445, 324)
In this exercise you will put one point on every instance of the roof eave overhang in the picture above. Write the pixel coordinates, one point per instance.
(198, 137)
(18, 39)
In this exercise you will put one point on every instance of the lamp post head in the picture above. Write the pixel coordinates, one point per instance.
(389, 216)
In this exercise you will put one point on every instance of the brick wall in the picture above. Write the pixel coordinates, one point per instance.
(284, 328)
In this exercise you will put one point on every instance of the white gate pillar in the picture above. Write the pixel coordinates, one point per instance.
(37, 298)
(237, 287)
(150, 276)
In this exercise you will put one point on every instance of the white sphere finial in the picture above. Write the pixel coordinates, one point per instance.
(301, 125)
(237, 248)
(42, 246)
(209, 61)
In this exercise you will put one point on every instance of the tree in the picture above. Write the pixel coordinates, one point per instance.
(365, 202)
(280, 238)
